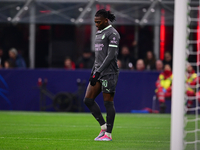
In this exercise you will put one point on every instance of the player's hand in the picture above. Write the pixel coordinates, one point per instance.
(94, 78)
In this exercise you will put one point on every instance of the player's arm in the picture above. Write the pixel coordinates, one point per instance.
(92, 72)
(112, 50)
(106, 62)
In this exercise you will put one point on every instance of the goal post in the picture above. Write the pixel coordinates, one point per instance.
(179, 50)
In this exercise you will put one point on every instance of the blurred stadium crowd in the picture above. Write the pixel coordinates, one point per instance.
(69, 47)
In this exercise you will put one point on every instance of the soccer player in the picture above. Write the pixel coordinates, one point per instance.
(104, 75)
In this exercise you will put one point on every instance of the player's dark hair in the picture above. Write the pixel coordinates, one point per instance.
(105, 14)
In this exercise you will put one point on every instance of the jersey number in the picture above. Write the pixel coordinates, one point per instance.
(105, 83)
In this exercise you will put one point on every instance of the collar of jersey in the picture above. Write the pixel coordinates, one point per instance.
(105, 28)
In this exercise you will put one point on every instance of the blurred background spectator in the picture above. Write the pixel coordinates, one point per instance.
(164, 87)
(9, 64)
(2, 58)
(167, 59)
(191, 81)
(149, 61)
(159, 65)
(69, 64)
(127, 61)
(140, 65)
(85, 61)
(16, 58)
(119, 64)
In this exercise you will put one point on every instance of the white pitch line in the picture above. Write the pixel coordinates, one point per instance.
(75, 126)
(132, 115)
(138, 141)
(44, 139)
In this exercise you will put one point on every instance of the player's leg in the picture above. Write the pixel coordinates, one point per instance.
(91, 93)
(109, 83)
(110, 110)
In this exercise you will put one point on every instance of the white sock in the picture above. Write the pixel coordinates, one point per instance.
(104, 127)
(108, 134)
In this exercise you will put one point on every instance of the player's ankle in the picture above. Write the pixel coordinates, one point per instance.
(108, 134)
(104, 127)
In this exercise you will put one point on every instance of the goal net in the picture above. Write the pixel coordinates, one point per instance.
(192, 94)
(185, 119)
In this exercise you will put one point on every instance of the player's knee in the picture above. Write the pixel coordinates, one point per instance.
(108, 103)
(88, 101)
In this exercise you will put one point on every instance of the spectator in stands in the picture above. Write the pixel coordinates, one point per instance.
(140, 65)
(163, 87)
(69, 64)
(86, 61)
(159, 65)
(191, 80)
(9, 64)
(167, 59)
(119, 63)
(150, 61)
(126, 59)
(16, 58)
(2, 58)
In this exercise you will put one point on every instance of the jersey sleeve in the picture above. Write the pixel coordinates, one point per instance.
(113, 42)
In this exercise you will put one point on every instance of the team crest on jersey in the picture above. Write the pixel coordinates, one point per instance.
(103, 37)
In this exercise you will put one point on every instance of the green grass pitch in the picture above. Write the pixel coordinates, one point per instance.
(76, 131)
